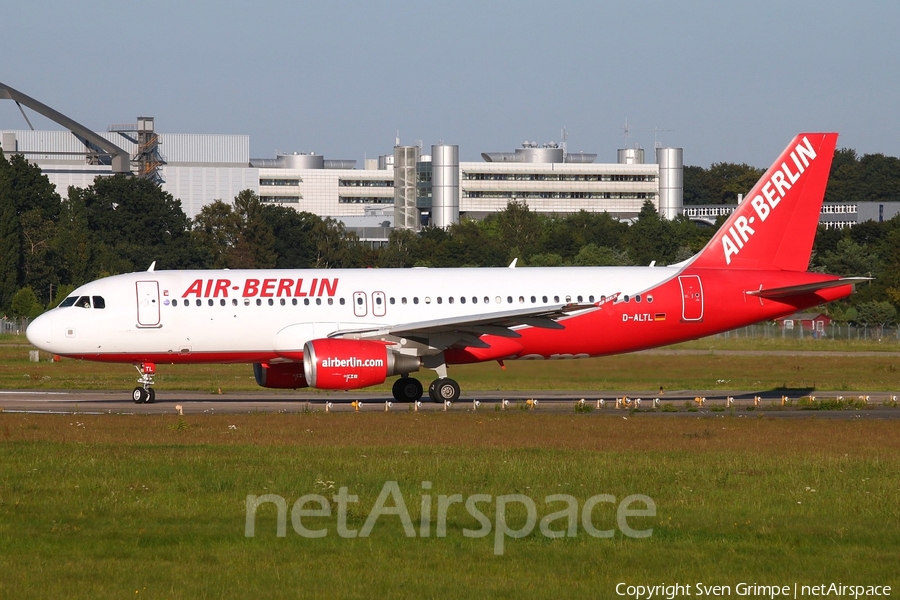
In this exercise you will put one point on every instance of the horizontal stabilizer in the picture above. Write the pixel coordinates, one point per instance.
(806, 288)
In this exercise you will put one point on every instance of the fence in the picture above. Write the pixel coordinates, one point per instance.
(13, 326)
(832, 331)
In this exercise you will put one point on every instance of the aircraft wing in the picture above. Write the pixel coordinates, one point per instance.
(796, 290)
(465, 331)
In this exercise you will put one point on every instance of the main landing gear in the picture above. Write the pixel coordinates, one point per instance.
(409, 389)
(144, 394)
(442, 389)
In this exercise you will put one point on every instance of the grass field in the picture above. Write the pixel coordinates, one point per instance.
(849, 366)
(155, 506)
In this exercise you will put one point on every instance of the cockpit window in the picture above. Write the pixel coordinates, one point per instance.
(99, 302)
(68, 301)
(83, 302)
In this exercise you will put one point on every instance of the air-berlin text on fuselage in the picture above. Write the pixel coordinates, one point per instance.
(264, 288)
(773, 191)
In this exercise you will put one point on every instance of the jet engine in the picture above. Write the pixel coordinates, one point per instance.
(338, 364)
(285, 376)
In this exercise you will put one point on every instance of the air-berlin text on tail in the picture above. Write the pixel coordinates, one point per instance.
(772, 192)
(265, 288)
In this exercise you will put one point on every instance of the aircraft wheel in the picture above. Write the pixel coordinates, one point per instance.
(139, 395)
(407, 389)
(444, 389)
(151, 396)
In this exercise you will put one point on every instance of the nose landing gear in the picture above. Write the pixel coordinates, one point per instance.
(144, 394)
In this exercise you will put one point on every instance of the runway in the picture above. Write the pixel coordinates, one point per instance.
(672, 403)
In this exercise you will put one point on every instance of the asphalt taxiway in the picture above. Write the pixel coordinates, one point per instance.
(880, 405)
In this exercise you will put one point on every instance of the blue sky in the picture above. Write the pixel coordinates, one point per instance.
(727, 81)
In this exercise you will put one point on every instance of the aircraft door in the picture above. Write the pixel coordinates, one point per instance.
(148, 304)
(691, 298)
(378, 304)
(360, 304)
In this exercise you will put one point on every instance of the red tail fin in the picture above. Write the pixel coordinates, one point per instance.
(774, 227)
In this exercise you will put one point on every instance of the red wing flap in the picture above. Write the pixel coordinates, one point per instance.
(806, 288)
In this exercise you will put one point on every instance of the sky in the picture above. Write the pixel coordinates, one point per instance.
(726, 81)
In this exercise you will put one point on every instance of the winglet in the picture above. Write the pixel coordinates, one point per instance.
(152, 267)
(512, 265)
(774, 227)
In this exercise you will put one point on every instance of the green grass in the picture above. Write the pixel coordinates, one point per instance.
(136, 506)
(840, 370)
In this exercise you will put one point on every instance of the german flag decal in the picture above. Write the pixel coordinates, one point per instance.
(659, 317)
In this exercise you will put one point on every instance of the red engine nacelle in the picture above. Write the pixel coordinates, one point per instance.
(286, 376)
(336, 364)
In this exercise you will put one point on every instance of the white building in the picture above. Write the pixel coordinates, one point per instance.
(199, 169)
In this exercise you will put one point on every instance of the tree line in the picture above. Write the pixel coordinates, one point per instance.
(49, 245)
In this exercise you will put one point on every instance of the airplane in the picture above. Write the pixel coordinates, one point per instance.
(344, 329)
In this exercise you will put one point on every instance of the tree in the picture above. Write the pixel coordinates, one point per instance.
(73, 246)
(850, 259)
(294, 245)
(216, 229)
(516, 226)
(134, 223)
(25, 304)
(600, 256)
(255, 245)
(876, 313)
(29, 207)
(651, 238)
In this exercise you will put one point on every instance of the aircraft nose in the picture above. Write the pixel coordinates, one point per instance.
(40, 332)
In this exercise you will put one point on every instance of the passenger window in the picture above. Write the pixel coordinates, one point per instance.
(488, 300)
(306, 302)
(568, 298)
(174, 302)
(281, 301)
(378, 300)
(222, 302)
(509, 299)
(649, 298)
(591, 298)
(318, 302)
(403, 300)
(294, 301)
(450, 299)
(210, 301)
(258, 302)
(580, 298)
(637, 298)
(359, 300)
(68, 302)
(246, 301)
(462, 299)
(234, 302)
(330, 301)
(427, 300)
(556, 299)
(544, 299)
(439, 300)
(199, 302)
(626, 298)
(99, 302)
(392, 300)
(474, 299)
(498, 300)
(342, 302)
(533, 299)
